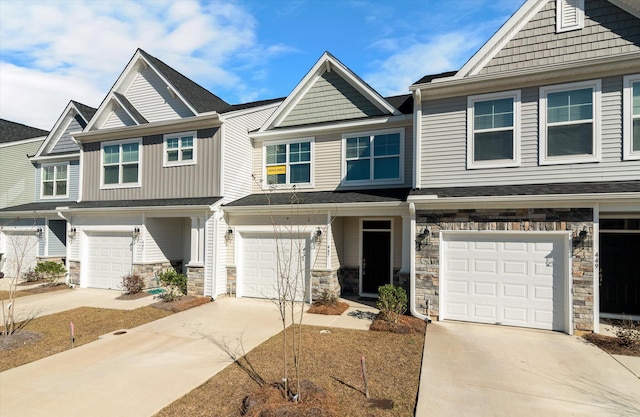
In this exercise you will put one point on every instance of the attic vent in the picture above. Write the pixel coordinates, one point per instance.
(570, 15)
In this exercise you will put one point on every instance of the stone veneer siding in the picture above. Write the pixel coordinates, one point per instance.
(195, 280)
(348, 279)
(231, 280)
(322, 281)
(149, 272)
(523, 220)
(74, 272)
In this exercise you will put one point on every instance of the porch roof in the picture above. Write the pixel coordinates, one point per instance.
(393, 195)
(106, 204)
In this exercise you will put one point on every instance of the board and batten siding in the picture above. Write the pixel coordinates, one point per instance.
(181, 181)
(64, 143)
(238, 151)
(17, 181)
(607, 31)
(444, 141)
(327, 160)
(331, 98)
(73, 181)
(149, 94)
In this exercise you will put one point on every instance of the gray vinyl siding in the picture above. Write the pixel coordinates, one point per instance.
(57, 238)
(65, 144)
(331, 98)
(607, 31)
(327, 160)
(164, 239)
(149, 94)
(198, 180)
(238, 152)
(73, 183)
(17, 177)
(444, 142)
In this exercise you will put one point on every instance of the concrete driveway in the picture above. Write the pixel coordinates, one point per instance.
(481, 370)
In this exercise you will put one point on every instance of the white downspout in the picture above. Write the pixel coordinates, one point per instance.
(596, 268)
(417, 132)
(412, 263)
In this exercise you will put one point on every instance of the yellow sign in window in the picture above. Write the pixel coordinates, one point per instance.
(276, 169)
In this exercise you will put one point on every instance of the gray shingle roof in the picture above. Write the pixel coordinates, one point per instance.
(323, 197)
(160, 202)
(87, 111)
(532, 189)
(199, 97)
(12, 131)
(431, 77)
(126, 103)
(403, 103)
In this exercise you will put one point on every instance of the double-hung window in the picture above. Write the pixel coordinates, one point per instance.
(569, 123)
(375, 157)
(631, 112)
(493, 134)
(121, 164)
(54, 180)
(288, 163)
(180, 148)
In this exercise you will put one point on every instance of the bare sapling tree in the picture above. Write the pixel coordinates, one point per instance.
(22, 245)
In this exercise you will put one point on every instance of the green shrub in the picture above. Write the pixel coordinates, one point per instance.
(171, 293)
(132, 283)
(392, 302)
(51, 271)
(31, 276)
(172, 278)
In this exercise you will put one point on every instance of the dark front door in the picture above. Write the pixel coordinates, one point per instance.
(619, 273)
(376, 255)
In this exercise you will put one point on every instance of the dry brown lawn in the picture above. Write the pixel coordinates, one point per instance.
(332, 362)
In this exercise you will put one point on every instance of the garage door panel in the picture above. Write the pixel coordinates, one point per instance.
(110, 258)
(514, 280)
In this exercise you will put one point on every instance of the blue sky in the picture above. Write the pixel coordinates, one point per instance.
(55, 51)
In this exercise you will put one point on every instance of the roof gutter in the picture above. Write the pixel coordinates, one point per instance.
(432, 199)
(202, 121)
(54, 158)
(134, 208)
(281, 208)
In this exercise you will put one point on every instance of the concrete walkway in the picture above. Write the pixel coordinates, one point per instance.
(482, 370)
(140, 372)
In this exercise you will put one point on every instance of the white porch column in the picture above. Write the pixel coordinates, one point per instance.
(407, 242)
(197, 241)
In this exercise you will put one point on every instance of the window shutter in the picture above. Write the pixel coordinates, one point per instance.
(569, 15)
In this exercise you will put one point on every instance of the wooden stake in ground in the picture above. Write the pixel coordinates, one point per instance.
(72, 332)
(364, 377)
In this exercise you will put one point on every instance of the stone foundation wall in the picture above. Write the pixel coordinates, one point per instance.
(149, 272)
(574, 220)
(74, 272)
(322, 281)
(349, 280)
(195, 280)
(231, 280)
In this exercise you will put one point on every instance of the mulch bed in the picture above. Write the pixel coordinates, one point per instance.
(136, 296)
(611, 345)
(45, 288)
(334, 309)
(405, 325)
(181, 304)
(271, 401)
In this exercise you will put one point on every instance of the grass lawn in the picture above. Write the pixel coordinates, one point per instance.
(331, 361)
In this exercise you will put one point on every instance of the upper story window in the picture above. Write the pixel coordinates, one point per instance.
(288, 163)
(375, 157)
(493, 133)
(54, 180)
(569, 123)
(631, 113)
(180, 148)
(121, 163)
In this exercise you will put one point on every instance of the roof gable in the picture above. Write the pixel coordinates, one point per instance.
(328, 92)
(74, 118)
(148, 90)
(530, 38)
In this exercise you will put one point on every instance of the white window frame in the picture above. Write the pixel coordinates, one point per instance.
(55, 170)
(120, 184)
(288, 184)
(569, 15)
(371, 180)
(497, 163)
(627, 117)
(596, 87)
(179, 136)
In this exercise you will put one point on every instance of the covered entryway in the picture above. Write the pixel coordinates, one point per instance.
(619, 272)
(376, 256)
(267, 262)
(20, 251)
(110, 258)
(516, 279)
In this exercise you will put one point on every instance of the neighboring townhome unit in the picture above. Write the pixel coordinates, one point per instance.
(332, 167)
(158, 158)
(18, 234)
(527, 199)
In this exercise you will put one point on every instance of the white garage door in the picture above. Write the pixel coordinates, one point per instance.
(110, 258)
(21, 250)
(511, 279)
(264, 259)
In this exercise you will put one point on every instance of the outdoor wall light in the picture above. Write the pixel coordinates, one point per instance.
(72, 232)
(229, 232)
(423, 238)
(583, 237)
(39, 232)
(136, 232)
(318, 232)
(228, 235)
